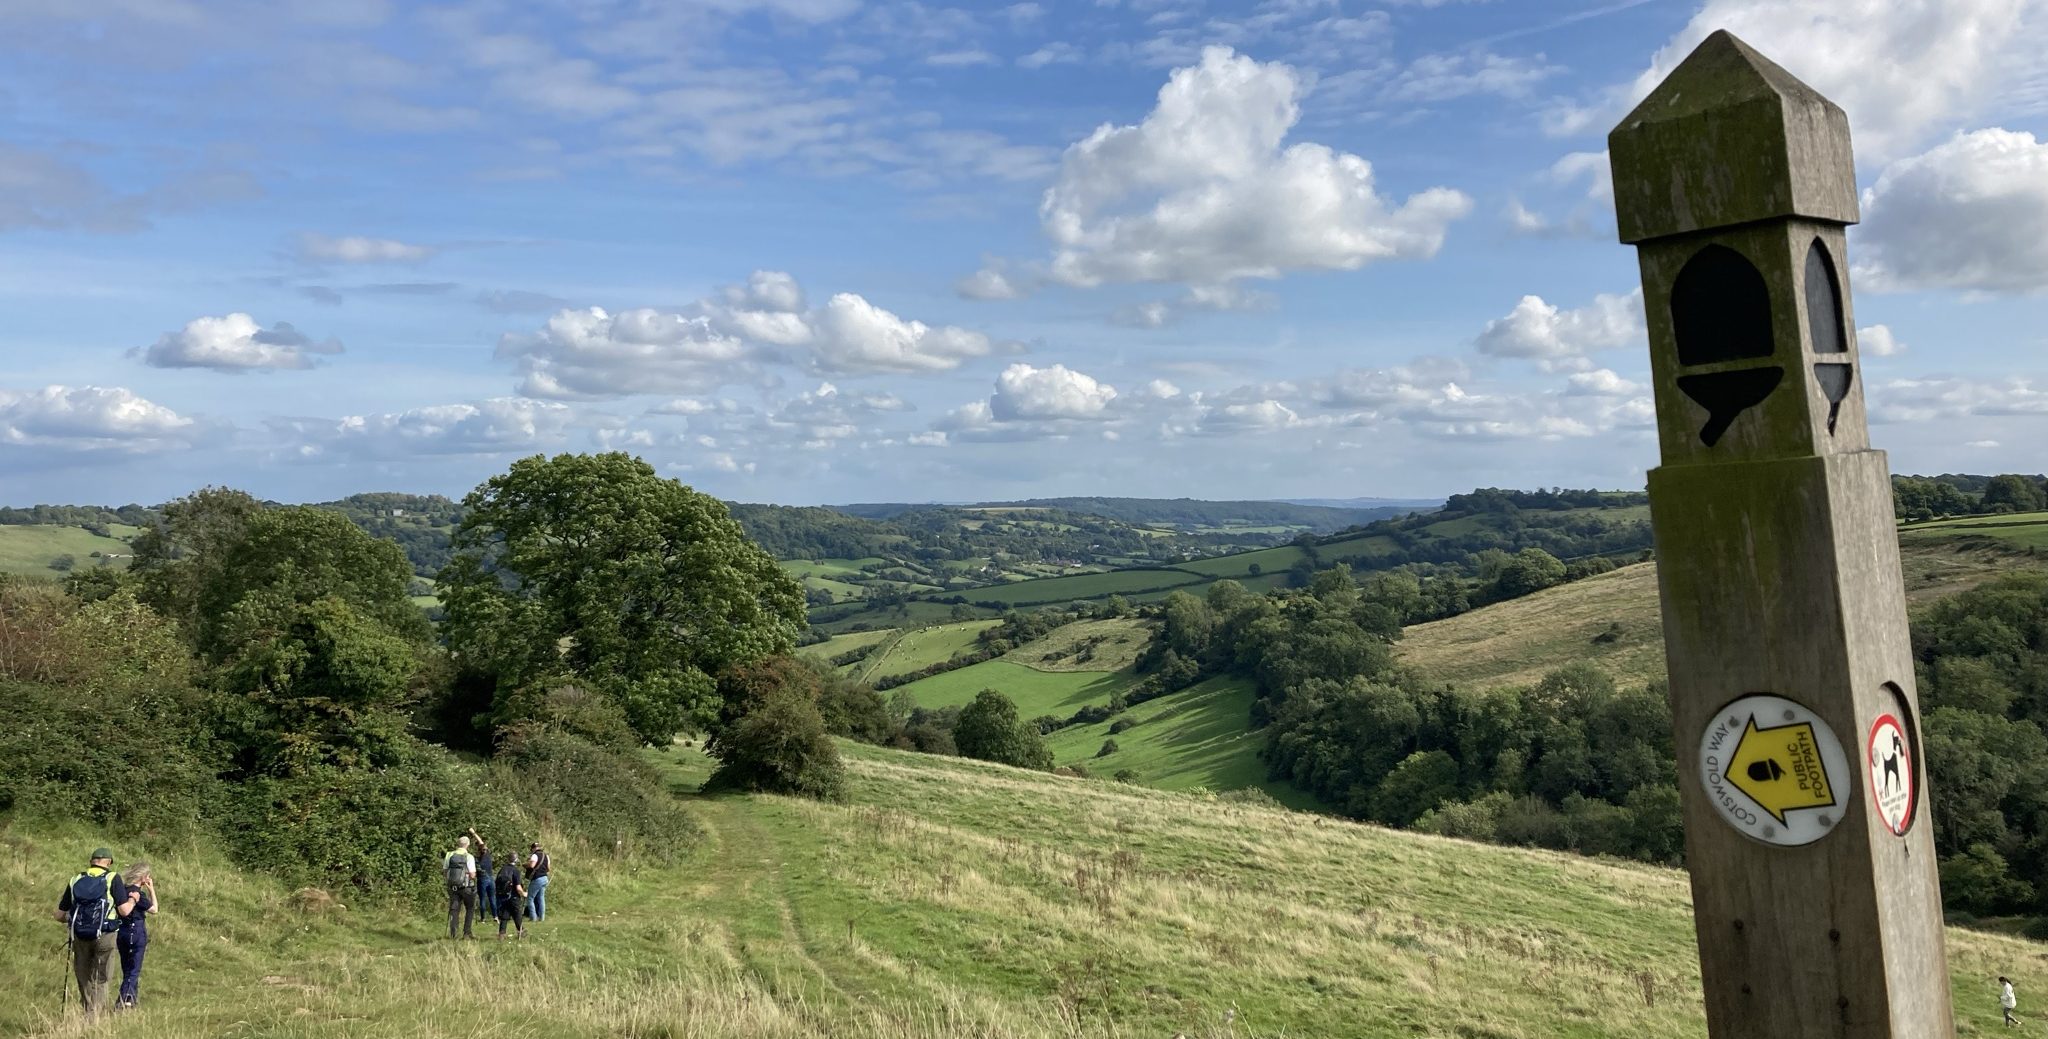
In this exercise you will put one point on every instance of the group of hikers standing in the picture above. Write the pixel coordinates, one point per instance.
(476, 883)
(106, 914)
(106, 911)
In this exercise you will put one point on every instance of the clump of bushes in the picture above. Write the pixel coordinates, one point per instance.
(115, 759)
(597, 795)
(375, 832)
(779, 746)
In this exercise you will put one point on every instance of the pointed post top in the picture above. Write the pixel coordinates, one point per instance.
(1671, 156)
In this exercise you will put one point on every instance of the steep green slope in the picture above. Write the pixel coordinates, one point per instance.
(1197, 739)
(945, 898)
(916, 649)
(1034, 692)
(29, 549)
(1613, 620)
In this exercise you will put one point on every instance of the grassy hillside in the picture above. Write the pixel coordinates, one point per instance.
(919, 648)
(947, 898)
(1104, 645)
(2027, 530)
(1035, 692)
(1197, 739)
(1612, 620)
(1081, 587)
(28, 549)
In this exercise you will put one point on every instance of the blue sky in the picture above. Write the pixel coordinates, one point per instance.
(825, 250)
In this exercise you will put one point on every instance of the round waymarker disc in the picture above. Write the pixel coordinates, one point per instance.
(1774, 770)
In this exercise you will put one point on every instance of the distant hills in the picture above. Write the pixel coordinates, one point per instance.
(1320, 517)
(1405, 504)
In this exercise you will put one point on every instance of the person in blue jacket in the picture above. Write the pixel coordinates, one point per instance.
(133, 937)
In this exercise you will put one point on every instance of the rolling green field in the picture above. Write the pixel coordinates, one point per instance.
(1115, 646)
(912, 614)
(1519, 641)
(945, 898)
(920, 648)
(1077, 587)
(28, 549)
(828, 567)
(1273, 560)
(846, 643)
(2027, 530)
(1197, 739)
(1035, 692)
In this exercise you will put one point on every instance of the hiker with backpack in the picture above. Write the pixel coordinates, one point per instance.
(511, 899)
(458, 871)
(133, 937)
(537, 882)
(93, 906)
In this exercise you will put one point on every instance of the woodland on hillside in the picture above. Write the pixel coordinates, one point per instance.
(295, 696)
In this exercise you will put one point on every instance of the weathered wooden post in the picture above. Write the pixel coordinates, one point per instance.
(1813, 869)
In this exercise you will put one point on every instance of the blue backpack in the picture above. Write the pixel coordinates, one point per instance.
(92, 905)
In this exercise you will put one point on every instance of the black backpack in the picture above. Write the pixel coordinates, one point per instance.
(92, 906)
(458, 869)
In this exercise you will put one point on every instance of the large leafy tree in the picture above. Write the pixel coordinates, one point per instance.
(232, 572)
(305, 618)
(989, 729)
(593, 568)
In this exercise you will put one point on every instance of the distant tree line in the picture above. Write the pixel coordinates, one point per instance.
(1921, 498)
(95, 518)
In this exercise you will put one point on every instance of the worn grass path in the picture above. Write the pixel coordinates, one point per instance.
(946, 898)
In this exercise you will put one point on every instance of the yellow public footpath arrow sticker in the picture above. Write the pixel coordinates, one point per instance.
(1780, 768)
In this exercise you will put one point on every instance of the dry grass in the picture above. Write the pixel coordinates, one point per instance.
(1521, 640)
(1115, 646)
(949, 898)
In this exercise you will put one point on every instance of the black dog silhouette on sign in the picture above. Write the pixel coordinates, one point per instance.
(1891, 762)
(1721, 311)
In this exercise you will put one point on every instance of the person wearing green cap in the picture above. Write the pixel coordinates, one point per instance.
(93, 905)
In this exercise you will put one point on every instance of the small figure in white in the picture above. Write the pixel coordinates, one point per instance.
(2006, 1000)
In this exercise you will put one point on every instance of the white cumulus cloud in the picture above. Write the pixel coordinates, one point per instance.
(1945, 397)
(1203, 190)
(1971, 214)
(853, 335)
(1560, 340)
(1878, 341)
(234, 343)
(726, 339)
(1601, 382)
(1025, 393)
(1900, 68)
(592, 353)
(501, 425)
(90, 418)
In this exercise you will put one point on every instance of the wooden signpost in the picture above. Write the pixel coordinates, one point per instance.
(1792, 698)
